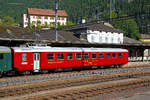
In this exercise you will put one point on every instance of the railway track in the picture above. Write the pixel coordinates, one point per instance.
(100, 82)
(101, 89)
(68, 75)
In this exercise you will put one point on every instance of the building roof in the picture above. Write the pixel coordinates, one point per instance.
(46, 12)
(95, 27)
(127, 40)
(8, 32)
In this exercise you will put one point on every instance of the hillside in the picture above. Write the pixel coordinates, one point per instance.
(77, 9)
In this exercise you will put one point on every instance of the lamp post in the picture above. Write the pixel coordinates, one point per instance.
(56, 17)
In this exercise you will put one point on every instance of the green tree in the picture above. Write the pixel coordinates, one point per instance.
(69, 23)
(7, 20)
(107, 15)
(38, 24)
(129, 27)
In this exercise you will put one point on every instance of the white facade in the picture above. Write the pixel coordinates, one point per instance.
(50, 20)
(25, 20)
(104, 37)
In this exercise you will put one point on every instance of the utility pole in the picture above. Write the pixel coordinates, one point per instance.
(56, 17)
(110, 9)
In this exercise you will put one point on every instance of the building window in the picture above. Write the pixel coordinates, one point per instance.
(94, 55)
(119, 55)
(69, 56)
(39, 17)
(92, 38)
(46, 17)
(50, 56)
(106, 39)
(107, 55)
(78, 55)
(112, 40)
(24, 57)
(118, 40)
(1, 56)
(100, 39)
(114, 55)
(86, 55)
(62, 18)
(60, 56)
(101, 55)
(52, 18)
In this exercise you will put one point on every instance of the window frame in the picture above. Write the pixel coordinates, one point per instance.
(48, 55)
(119, 56)
(77, 57)
(69, 55)
(24, 57)
(95, 56)
(102, 56)
(61, 54)
(113, 55)
(88, 56)
(107, 55)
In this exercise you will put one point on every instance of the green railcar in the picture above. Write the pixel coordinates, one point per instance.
(5, 60)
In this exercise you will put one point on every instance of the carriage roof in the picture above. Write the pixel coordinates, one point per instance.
(66, 49)
(4, 49)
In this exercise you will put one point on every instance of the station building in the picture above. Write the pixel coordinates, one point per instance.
(74, 36)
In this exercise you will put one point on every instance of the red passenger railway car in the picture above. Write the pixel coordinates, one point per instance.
(37, 59)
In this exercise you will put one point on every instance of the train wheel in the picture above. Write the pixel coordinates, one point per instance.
(44, 71)
(26, 73)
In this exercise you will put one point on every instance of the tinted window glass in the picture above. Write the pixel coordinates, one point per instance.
(78, 55)
(50, 56)
(114, 55)
(69, 55)
(101, 55)
(107, 55)
(86, 55)
(60, 56)
(119, 55)
(94, 55)
(1, 56)
(24, 57)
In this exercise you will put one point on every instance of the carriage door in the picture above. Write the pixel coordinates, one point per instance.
(36, 62)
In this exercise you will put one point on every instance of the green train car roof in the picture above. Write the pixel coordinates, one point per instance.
(5, 49)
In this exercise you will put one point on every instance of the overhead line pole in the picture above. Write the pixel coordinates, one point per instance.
(56, 17)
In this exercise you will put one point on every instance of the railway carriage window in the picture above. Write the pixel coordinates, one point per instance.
(114, 55)
(50, 56)
(1, 56)
(101, 55)
(69, 56)
(107, 55)
(24, 57)
(60, 56)
(94, 55)
(78, 55)
(119, 55)
(86, 55)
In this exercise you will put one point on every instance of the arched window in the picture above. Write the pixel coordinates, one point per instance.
(118, 40)
(106, 39)
(100, 39)
(112, 40)
(92, 38)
